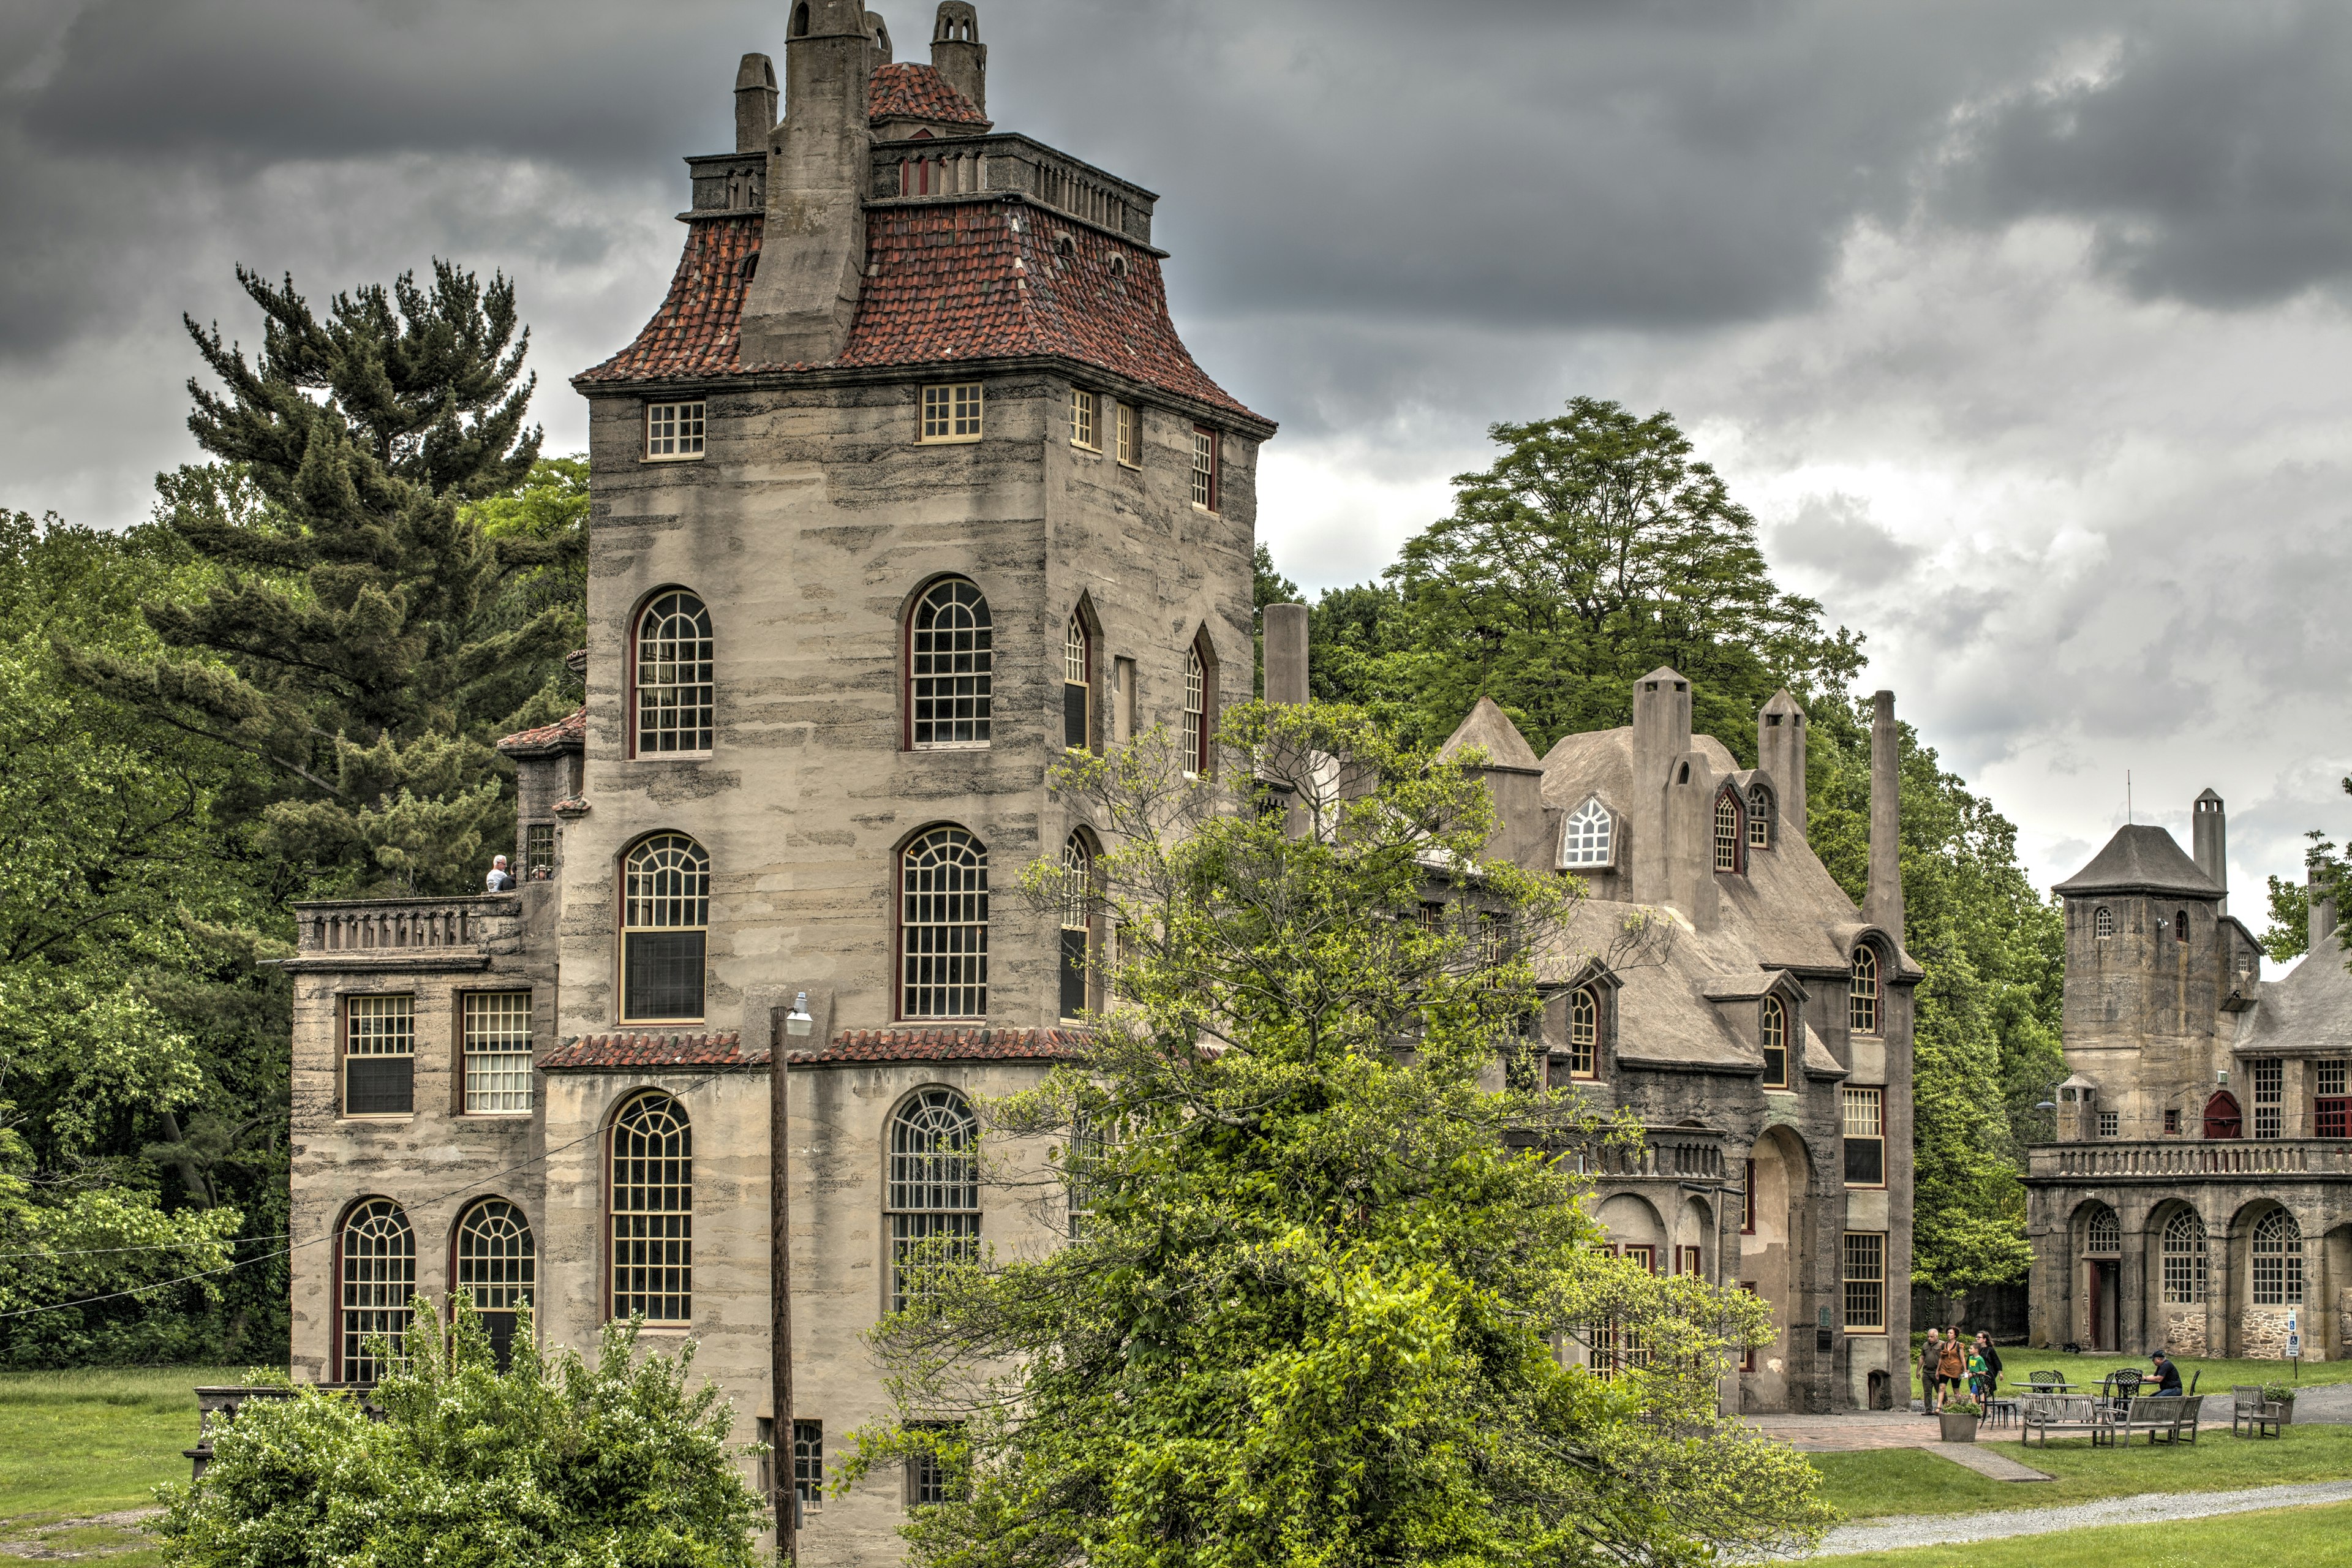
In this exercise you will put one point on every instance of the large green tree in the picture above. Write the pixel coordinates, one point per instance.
(362, 640)
(1310, 1310)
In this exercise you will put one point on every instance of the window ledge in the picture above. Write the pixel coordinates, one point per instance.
(946, 440)
(669, 757)
(498, 1115)
(677, 458)
(381, 1118)
(949, 746)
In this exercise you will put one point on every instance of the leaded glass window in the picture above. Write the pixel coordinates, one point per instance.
(664, 928)
(652, 1202)
(934, 1188)
(951, 665)
(676, 660)
(943, 926)
(379, 1275)
(2184, 1259)
(2278, 1260)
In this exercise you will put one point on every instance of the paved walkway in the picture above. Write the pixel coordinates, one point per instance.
(1858, 1432)
(2150, 1508)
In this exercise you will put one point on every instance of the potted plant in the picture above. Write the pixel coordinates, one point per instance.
(2280, 1397)
(1960, 1416)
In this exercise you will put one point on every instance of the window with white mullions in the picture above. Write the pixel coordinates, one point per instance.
(1083, 410)
(934, 1188)
(1583, 1033)
(497, 1268)
(943, 926)
(1772, 1029)
(1196, 714)
(1865, 1137)
(1864, 1257)
(675, 675)
(652, 1202)
(2184, 1259)
(1204, 468)
(2278, 1260)
(1586, 837)
(1759, 817)
(379, 1275)
(951, 412)
(497, 1051)
(1727, 833)
(2270, 1097)
(1078, 685)
(1862, 991)
(664, 928)
(952, 663)
(673, 430)
(1077, 925)
(378, 1056)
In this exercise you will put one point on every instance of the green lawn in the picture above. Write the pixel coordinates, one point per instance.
(74, 1444)
(2265, 1540)
(1905, 1480)
(2017, 1361)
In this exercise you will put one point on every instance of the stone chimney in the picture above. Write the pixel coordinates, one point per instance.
(2323, 910)
(957, 53)
(755, 103)
(1662, 734)
(1286, 642)
(1884, 905)
(1781, 751)
(799, 304)
(2209, 838)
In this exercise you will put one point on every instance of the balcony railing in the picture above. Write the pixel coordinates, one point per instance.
(2175, 1157)
(420, 925)
(1674, 1153)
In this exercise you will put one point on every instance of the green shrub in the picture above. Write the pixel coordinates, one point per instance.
(554, 1463)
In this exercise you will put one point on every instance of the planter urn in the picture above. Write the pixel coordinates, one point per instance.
(1958, 1427)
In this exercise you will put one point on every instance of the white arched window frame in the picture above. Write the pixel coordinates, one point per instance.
(1759, 817)
(1864, 1011)
(496, 1267)
(664, 928)
(1728, 832)
(1583, 1033)
(378, 1270)
(1772, 1031)
(1077, 913)
(951, 667)
(2277, 1260)
(2184, 1259)
(943, 926)
(1588, 839)
(2102, 1233)
(651, 1197)
(672, 668)
(933, 1201)
(1196, 714)
(2103, 922)
(1078, 685)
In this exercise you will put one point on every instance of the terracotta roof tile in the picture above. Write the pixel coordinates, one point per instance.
(940, 1045)
(919, 92)
(947, 283)
(566, 733)
(598, 1053)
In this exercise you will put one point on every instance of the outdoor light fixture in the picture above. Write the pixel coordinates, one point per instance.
(2045, 1105)
(797, 1021)
(2221, 1075)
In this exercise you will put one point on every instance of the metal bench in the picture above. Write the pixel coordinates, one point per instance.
(2164, 1417)
(2065, 1413)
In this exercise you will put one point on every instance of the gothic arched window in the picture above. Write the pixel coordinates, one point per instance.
(1583, 1033)
(1772, 1030)
(1759, 817)
(934, 1187)
(673, 669)
(1588, 838)
(652, 1202)
(2278, 1260)
(664, 928)
(497, 1266)
(951, 665)
(379, 1275)
(943, 926)
(1862, 991)
(1077, 922)
(2181, 925)
(2103, 921)
(1196, 714)
(1727, 832)
(1078, 685)
(2184, 1259)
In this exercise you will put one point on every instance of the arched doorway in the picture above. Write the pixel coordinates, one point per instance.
(2099, 1243)
(1779, 1174)
(2222, 1117)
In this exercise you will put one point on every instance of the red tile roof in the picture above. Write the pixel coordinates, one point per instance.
(947, 283)
(919, 92)
(563, 735)
(598, 1053)
(943, 1045)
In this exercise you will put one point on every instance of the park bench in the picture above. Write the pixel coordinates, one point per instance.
(2064, 1414)
(2163, 1416)
(2248, 1409)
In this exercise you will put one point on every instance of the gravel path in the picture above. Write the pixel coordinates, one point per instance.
(2149, 1507)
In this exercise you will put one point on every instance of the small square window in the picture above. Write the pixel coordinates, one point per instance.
(2172, 1121)
(673, 431)
(2111, 1124)
(1130, 434)
(951, 412)
(1204, 468)
(1082, 408)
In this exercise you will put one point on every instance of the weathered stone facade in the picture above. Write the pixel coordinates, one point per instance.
(2200, 1191)
(911, 369)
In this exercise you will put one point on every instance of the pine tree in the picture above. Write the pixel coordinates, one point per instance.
(360, 636)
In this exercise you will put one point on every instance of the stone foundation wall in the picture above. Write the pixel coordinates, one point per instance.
(2184, 1331)
(2262, 1335)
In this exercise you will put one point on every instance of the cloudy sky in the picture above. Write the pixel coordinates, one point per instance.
(2021, 327)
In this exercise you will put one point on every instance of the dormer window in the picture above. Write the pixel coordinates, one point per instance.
(1583, 1034)
(1772, 1033)
(1759, 817)
(1727, 832)
(1862, 991)
(1588, 839)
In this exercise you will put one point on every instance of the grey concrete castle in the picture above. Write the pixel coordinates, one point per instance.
(907, 486)
(2199, 1196)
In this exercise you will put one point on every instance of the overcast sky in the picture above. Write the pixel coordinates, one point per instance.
(2021, 327)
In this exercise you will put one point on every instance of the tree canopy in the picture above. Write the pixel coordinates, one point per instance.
(1319, 1265)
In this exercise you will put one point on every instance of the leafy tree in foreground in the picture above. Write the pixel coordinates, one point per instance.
(1310, 1312)
(556, 1463)
(365, 648)
(2289, 936)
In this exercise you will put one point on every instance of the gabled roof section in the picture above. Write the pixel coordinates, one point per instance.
(919, 92)
(1489, 727)
(568, 733)
(2141, 858)
(699, 327)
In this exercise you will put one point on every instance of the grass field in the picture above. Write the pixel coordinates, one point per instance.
(2017, 1361)
(1905, 1480)
(77, 1445)
(2266, 1539)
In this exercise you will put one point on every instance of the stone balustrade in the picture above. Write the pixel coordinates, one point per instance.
(2171, 1158)
(1686, 1153)
(965, 165)
(429, 933)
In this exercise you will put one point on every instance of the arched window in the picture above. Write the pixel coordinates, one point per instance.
(943, 926)
(951, 665)
(674, 675)
(652, 1201)
(1588, 836)
(2103, 1233)
(1077, 918)
(379, 1275)
(1727, 832)
(1583, 1033)
(664, 923)
(1861, 992)
(1078, 688)
(1196, 714)
(2181, 925)
(2222, 1119)
(1759, 817)
(934, 1197)
(1772, 1030)
(2103, 921)
(496, 1267)
(2278, 1260)
(2184, 1259)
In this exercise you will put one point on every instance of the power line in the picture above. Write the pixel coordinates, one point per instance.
(149, 1246)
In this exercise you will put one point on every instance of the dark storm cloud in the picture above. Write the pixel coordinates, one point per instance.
(2212, 151)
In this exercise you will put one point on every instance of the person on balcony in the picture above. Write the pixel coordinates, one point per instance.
(500, 881)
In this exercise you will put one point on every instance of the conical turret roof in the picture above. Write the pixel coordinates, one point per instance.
(2141, 858)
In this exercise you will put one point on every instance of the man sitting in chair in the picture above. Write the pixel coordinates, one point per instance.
(2168, 1376)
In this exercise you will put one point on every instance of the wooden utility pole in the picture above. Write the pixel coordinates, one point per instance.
(780, 1279)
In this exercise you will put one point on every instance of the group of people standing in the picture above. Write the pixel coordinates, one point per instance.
(1949, 1362)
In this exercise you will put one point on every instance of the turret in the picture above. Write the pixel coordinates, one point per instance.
(1781, 751)
(755, 103)
(2209, 843)
(1883, 906)
(801, 302)
(957, 53)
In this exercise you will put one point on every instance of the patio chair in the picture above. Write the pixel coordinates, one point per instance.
(2045, 1378)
